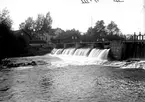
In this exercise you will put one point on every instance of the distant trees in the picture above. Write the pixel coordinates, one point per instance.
(97, 32)
(28, 24)
(99, 28)
(5, 18)
(100, 32)
(39, 27)
(113, 29)
(113, 32)
(67, 36)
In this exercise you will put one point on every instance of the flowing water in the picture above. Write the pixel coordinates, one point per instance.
(71, 75)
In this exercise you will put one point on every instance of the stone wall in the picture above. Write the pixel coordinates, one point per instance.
(117, 49)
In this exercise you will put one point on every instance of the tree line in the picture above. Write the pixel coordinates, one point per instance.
(42, 27)
(100, 32)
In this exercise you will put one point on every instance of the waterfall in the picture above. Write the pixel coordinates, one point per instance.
(54, 51)
(57, 51)
(68, 51)
(100, 54)
(97, 54)
(82, 52)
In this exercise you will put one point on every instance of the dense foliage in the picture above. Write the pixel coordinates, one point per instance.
(67, 36)
(39, 28)
(99, 32)
(10, 45)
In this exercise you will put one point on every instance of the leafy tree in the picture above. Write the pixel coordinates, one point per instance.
(39, 23)
(41, 27)
(113, 29)
(99, 30)
(8, 42)
(113, 32)
(28, 25)
(58, 32)
(90, 31)
(99, 26)
(47, 23)
(88, 36)
(43, 23)
(5, 18)
(68, 36)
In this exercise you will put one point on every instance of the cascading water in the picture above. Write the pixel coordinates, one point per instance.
(100, 54)
(84, 55)
(105, 54)
(58, 51)
(94, 52)
(88, 56)
(69, 51)
(54, 51)
(82, 52)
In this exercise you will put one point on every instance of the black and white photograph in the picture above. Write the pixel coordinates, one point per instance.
(72, 51)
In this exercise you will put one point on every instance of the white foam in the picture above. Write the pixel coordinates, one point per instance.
(81, 56)
(24, 67)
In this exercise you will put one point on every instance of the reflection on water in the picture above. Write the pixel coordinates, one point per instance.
(45, 82)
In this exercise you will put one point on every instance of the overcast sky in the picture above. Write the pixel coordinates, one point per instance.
(67, 14)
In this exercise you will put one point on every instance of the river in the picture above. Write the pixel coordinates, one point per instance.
(51, 79)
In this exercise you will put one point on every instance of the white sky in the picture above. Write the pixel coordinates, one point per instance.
(67, 14)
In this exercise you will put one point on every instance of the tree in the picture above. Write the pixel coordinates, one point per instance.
(89, 31)
(39, 28)
(88, 36)
(39, 23)
(99, 26)
(47, 23)
(99, 29)
(5, 24)
(28, 25)
(5, 18)
(113, 32)
(43, 23)
(8, 41)
(96, 33)
(68, 35)
(58, 32)
(113, 29)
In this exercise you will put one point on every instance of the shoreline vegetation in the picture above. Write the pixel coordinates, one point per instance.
(23, 42)
(15, 46)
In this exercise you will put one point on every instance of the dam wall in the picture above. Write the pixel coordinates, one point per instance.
(127, 50)
(117, 50)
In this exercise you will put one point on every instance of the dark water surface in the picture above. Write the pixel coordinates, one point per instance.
(71, 83)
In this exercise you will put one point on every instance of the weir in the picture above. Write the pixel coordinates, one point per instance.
(119, 50)
(89, 53)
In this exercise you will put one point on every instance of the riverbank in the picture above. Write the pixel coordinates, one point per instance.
(73, 83)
